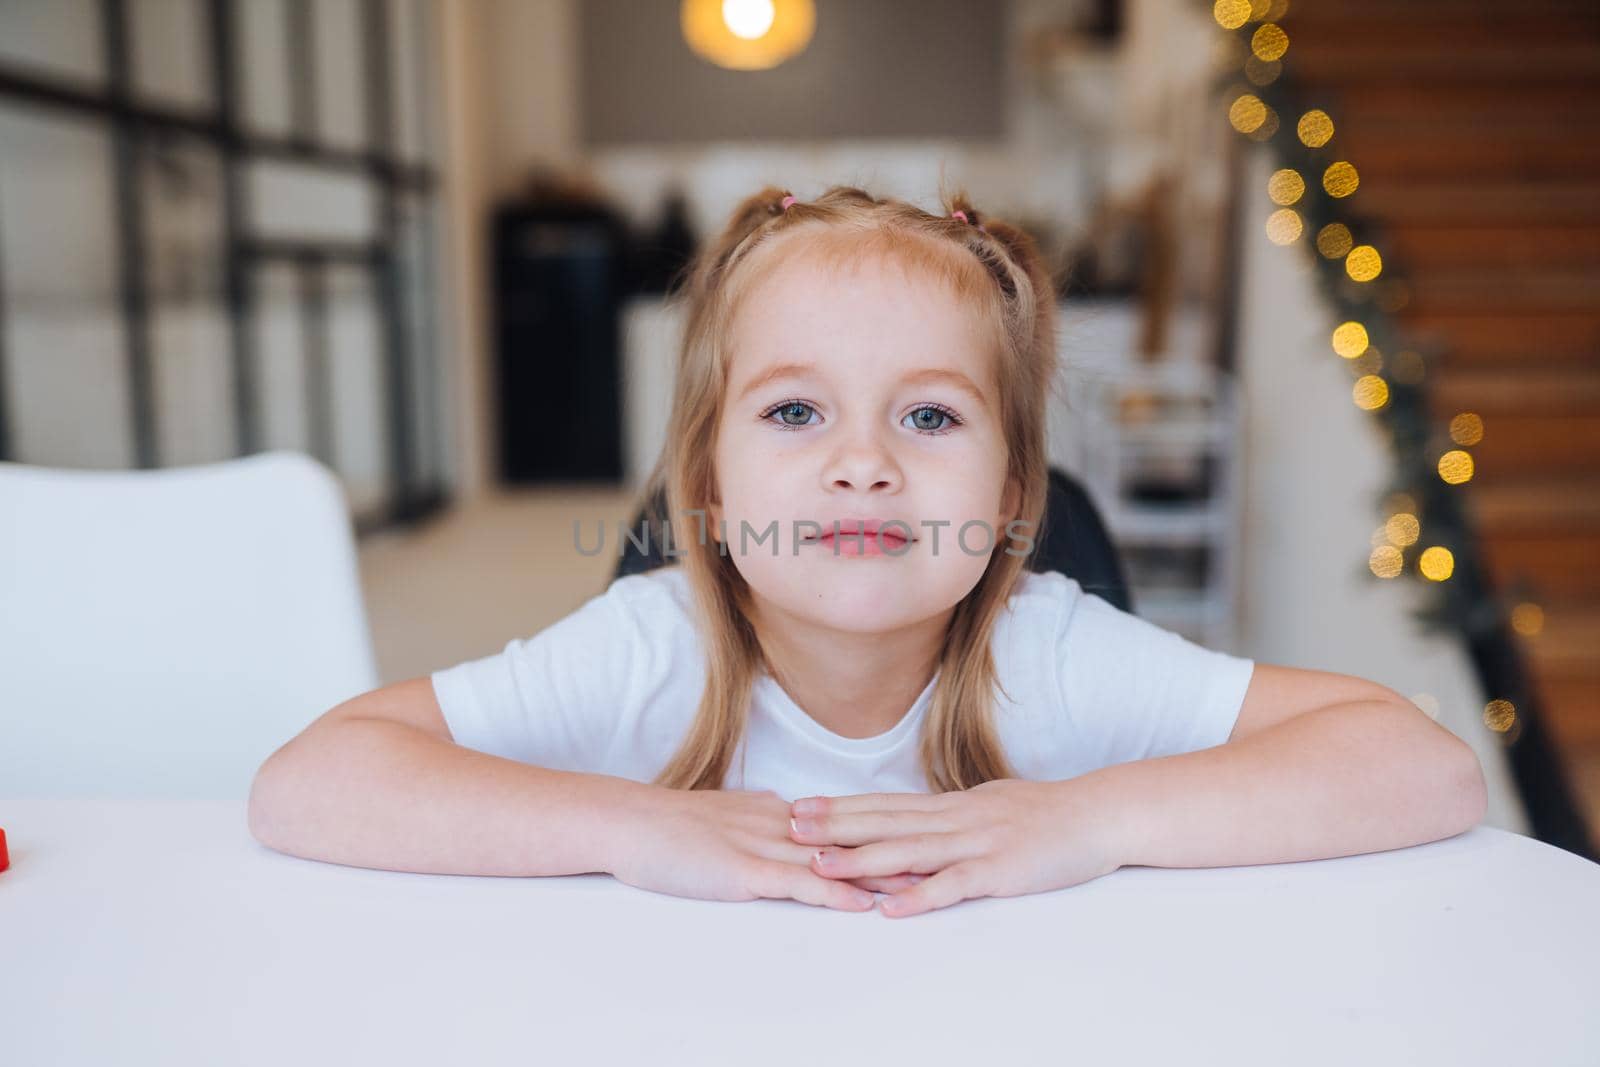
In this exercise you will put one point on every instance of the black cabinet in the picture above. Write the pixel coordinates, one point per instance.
(559, 284)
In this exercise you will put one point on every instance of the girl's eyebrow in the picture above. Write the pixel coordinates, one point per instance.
(927, 375)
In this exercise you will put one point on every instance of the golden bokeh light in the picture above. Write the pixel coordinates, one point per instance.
(1334, 240)
(1285, 186)
(1527, 619)
(1231, 14)
(1428, 703)
(1466, 428)
(1247, 113)
(1315, 128)
(1268, 127)
(1284, 226)
(1363, 263)
(1269, 42)
(1340, 179)
(1455, 466)
(1402, 529)
(1261, 11)
(1386, 561)
(1436, 564)
(1498, 715)
(1350, 339)
(1261, 73)
(1370, 393)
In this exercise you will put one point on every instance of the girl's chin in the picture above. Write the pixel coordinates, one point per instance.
(856, 599)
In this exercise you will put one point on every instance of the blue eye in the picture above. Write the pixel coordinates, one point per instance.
(788, 412)
(929, 421)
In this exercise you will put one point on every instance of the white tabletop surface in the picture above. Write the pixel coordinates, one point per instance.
(152, 932)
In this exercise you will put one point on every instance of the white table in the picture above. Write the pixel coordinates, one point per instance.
(152, 932)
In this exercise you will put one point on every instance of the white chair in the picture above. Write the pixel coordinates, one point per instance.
(163, 631)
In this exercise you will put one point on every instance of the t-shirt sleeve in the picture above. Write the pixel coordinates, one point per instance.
(1133, 690)
(554, 699)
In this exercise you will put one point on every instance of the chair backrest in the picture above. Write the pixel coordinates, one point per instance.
(1073, 540)
(162, 632)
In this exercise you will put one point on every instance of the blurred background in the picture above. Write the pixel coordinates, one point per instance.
(1329, 275)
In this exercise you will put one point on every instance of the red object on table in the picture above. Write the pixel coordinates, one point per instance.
(5, 857)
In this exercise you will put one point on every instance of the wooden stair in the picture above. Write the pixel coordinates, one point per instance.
(1475, 128)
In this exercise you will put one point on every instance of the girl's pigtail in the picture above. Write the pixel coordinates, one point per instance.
(1023, 253)
(752, 214)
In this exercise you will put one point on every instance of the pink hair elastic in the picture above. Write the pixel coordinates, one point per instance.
(962, 215)
(787, 201)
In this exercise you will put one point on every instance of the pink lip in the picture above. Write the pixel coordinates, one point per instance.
(855, 526)
(861, 539)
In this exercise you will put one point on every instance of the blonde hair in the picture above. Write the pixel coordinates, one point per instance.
(984, 262)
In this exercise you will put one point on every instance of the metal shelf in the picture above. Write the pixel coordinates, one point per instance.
(1174, 422)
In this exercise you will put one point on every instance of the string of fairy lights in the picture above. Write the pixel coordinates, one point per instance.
(1424, 533)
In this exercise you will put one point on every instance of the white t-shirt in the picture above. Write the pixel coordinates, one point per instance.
(613, 687)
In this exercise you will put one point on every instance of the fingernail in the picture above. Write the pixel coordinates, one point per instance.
(803, 826)
(807, 806)
(822, 858)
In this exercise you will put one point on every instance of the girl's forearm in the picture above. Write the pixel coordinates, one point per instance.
(1356, 777)
(381, 794)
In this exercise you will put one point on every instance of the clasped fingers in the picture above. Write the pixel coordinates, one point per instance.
(916, 854)
(860, 828)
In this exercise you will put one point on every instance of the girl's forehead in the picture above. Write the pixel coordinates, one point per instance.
(811, 289)
(832, 261)
(854, 315)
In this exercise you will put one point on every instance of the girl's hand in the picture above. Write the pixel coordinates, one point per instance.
(726, 845)
(1003, 838)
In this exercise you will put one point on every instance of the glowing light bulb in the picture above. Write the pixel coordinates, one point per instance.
(1315, 128)
(1371, 393)
(1498, 715)
(1247, 113)
(1269, 42)
(1363, 263)
(1285, 186)
(1340, 179)
(1466, 428)
(1231, 14)
(1385, 561)
(1436, 564)
(1455, 466)
(749, 19)
(1284, 226)
(1403, 529)
(1334, 240)
(1350, 339)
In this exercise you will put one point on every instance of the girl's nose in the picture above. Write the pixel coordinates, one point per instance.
(864, 463)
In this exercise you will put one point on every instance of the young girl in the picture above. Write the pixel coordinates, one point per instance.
(847, 682)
